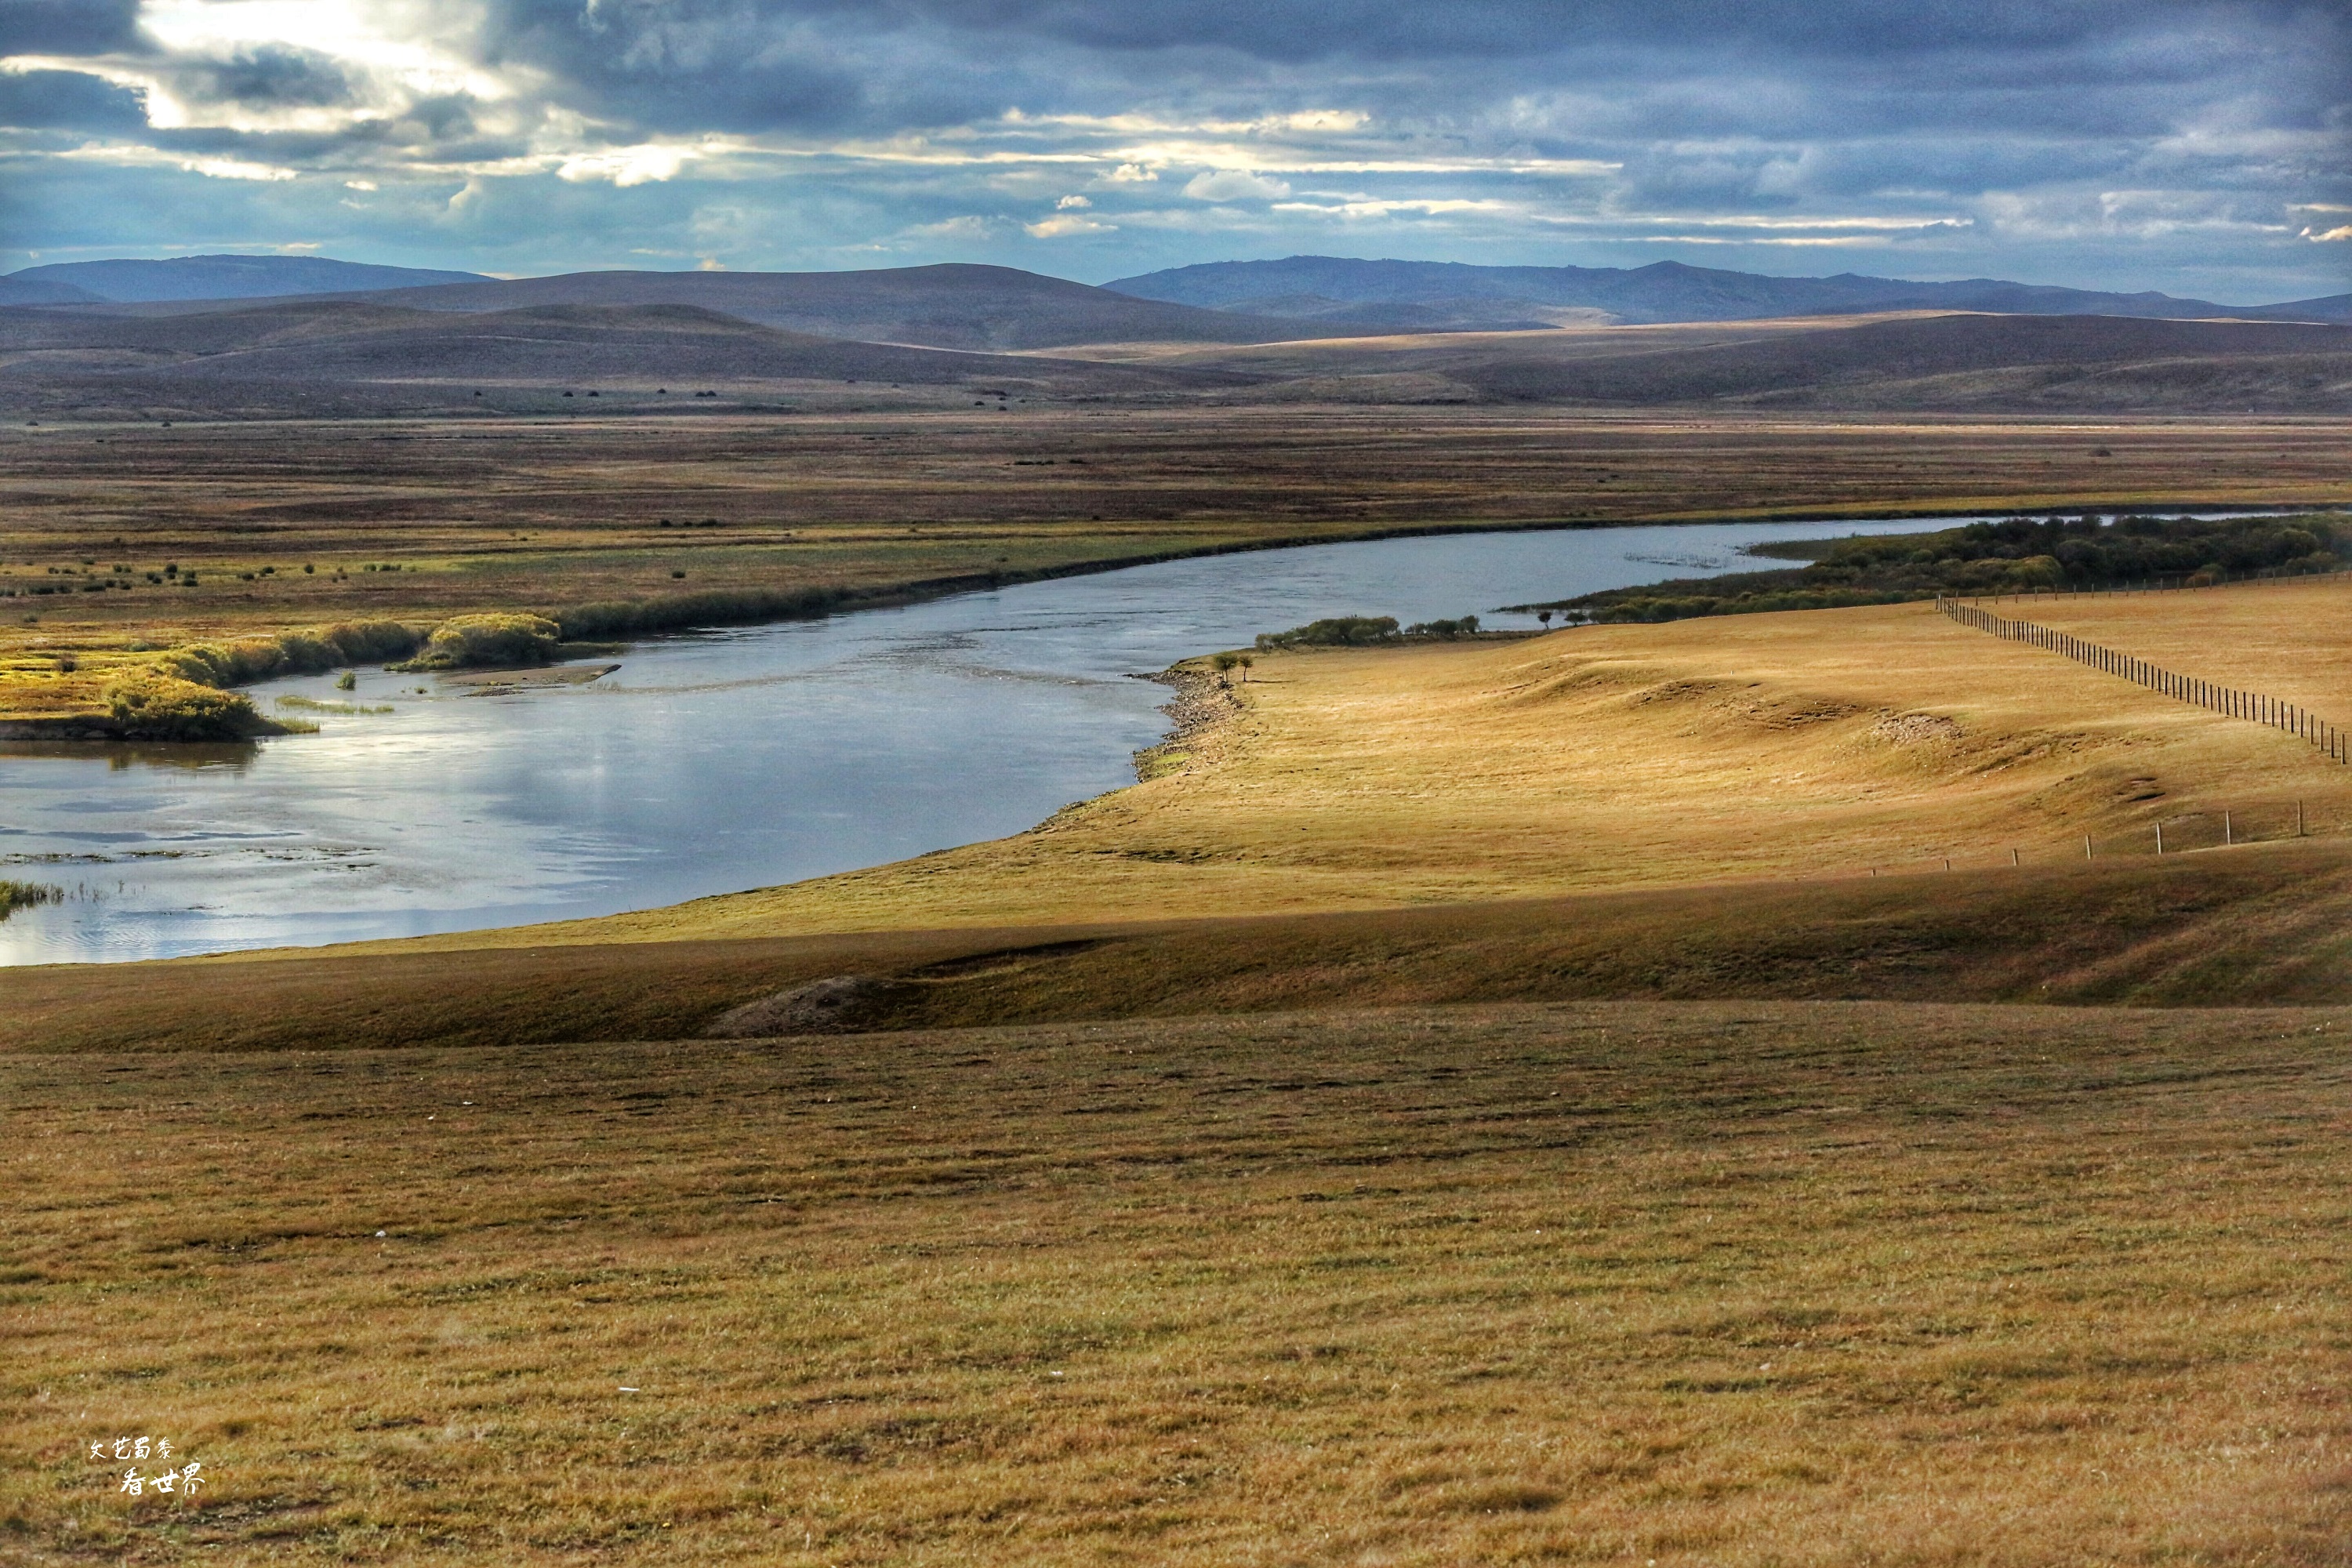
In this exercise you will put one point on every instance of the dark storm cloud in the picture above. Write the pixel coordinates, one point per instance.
(289, 78)
(68, 100)
(68, 26)
(700, 65)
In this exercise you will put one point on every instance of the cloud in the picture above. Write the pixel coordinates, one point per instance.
(1063, 227)
(66, 100)
(2195, 145)
(273, 76)
(69, 27)
(626, 165)
(1234, 185)
(2334, 234)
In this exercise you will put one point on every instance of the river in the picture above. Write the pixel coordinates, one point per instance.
(717, 760)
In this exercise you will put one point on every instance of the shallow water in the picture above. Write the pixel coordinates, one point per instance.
(718, 761)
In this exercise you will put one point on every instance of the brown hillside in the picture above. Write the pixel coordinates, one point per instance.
(946, 307)
(316, 357)
(1948, 362)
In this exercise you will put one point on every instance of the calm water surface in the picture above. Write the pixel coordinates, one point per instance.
(715, 761)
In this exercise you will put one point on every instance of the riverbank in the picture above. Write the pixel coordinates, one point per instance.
(128, 541)
(1774, 746)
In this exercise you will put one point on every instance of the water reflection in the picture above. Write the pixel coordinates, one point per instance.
(236, 756)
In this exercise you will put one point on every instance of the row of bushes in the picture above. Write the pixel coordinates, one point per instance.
(2087, 551)
(311, 651)
(1363, 631)
(676, 612)
(2014, 556)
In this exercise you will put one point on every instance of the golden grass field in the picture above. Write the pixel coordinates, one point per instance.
(1418, 1126)
(1719, 1283)
(539, 514)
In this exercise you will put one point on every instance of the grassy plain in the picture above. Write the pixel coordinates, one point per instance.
(540, 514)
(1733, 1284)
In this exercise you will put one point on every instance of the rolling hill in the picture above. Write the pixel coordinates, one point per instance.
(216, 278)
(1451, 296)
(358, 356)
(346, 357)
(1943, 362)
(992, 309)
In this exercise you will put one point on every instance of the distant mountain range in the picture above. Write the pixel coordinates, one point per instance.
(292, 342)
(997, 309)
(1447, 296)
(953, 306)
(210, 278)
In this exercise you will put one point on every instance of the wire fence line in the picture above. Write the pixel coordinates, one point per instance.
(2230, 702)
(2182, 831)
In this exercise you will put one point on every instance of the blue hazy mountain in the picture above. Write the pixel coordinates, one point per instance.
(215, 278)
(1438, 296)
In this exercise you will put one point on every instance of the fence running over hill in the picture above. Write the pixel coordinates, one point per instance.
(2252, 706)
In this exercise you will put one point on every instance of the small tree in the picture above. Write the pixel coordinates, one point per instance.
(1225, 662)
(1545, 616)
(1245, 660)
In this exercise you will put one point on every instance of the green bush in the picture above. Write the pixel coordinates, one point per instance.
(310, 651)
(152, 704)
(472, 641)
(2013, 555)
(714, 607)
(1335, 631)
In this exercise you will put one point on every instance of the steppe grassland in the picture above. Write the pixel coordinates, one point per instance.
(1801, 744)
(1728, 1284)
(482, 515)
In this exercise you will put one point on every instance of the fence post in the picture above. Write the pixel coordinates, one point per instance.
(2160, 839)
(2087, 847)
(2298, 819)
(2228, 837)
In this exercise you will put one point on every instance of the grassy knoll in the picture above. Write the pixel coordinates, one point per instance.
(2269, 923)
(304, 524)
(1722, 1284)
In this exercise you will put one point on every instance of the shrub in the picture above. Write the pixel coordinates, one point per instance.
(717, 606)
(310, 651)
(1466, 627)
(152, 704)
(1337, 631)
(492, 639)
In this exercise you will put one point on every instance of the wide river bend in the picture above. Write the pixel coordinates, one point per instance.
(717, 761)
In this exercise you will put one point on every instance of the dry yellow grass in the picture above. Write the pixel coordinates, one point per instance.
(1823, 742)
(1735, 1285)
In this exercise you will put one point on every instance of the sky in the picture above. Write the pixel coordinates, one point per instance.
(2202, 149)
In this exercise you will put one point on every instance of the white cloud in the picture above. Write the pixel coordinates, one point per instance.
(627, 166)
(1132, 174)
(1061, 228)
(1235, 184)
(1067, 202)
(156, 158)
(2333, 234)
